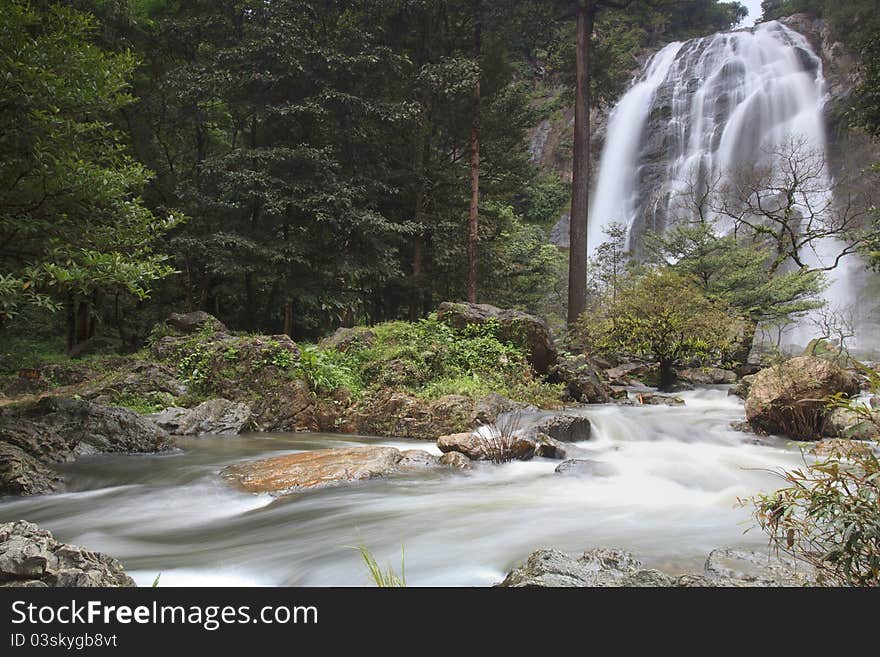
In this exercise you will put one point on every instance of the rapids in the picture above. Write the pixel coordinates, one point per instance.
(672, 498)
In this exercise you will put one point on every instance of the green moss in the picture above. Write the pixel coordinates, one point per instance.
(144, 404)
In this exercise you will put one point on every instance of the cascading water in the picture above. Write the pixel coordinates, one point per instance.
(702, 111)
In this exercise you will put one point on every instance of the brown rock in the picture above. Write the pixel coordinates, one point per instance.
(792, 398)
(477, 448)
(455, 460)
(315, 469)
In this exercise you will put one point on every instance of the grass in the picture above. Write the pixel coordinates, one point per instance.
(383, 578)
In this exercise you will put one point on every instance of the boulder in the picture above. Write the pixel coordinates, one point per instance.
(842, 448)
(627, 373)
(343, 339)
(550, 448)
(581, 380)
(742, 388)
(487, 409)
(417, 459)
(556, 569)
(22, 474)
(792, 398)
(565, 428)
(478, 445)
(615, 568)
(585, 467)
(143, 380)
(656, 399)
(194, 322)
(281, 475)
(708, 376)
(526, 331)
(849, 425)
(30, 556)
(215, 416)
(57, 429)
(455, 460)
(759, 569)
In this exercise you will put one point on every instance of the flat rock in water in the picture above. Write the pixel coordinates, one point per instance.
(30, 556)
(656, 399)
(479, 447)
(315, 469)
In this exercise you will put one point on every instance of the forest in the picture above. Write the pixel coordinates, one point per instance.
(593, 236)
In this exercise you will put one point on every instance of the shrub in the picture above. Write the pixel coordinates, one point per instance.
(497, 440)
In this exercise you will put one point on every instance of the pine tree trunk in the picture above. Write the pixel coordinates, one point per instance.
(288, 318)
(580, 184)
(473, 232)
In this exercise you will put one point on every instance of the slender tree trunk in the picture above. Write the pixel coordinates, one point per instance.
(668, 376)
(473, 232)
(83, 322)
(70, 322)
(580, 184)
(288, 318)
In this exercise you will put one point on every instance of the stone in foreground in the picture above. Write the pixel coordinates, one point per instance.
(615, 568)
(478, 447)
(30, 556)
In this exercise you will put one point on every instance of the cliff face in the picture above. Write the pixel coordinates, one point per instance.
(850, 149)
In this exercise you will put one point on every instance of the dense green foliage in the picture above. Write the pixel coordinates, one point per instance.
(430, 359)
(736, 273)
(71, 222)
(664, 316)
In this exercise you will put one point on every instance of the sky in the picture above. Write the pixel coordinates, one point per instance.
(754, 11)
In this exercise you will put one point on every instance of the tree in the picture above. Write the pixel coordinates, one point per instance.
(736, 273)
(611, 262)
(663, 315)
(71, 223)
(474, 216)
(793, 205)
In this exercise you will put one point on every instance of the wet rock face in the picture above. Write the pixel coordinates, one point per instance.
(58, 429)
(792, 398)
(30, 556)
(219, 417)
(521, 329)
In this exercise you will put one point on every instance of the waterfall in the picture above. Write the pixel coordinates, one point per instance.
(701, 111)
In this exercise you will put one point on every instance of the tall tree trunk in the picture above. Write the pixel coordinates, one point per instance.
(668, 377)
(70, 322)
(473, 232)
(288, 318)
(83, 322)
(580, 184)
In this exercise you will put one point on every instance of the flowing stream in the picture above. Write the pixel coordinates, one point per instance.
(676, 474)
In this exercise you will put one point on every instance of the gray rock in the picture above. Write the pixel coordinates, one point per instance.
(616, 568)
(344, 339)
(550, 448)
(58, 429)
(596, 568)
(219, 417)
(581, 380)
(707, 376)
(30, 556)
(22, 474)
(565, 428)
(585, 467)
(417, 458)
(194, 322)
(487, 409)
(748, 568)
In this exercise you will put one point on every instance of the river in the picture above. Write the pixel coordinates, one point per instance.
(676, 474)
